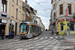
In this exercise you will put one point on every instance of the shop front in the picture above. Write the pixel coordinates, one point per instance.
(64, 26)
(3, 23)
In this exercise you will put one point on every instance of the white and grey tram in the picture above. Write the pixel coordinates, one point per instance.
(29, 30)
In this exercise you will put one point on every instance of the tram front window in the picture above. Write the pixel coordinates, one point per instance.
(23, 28)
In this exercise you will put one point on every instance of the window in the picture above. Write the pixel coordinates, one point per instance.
(28, 14)
(4, 6)
(12, 10)
(13, 0)
(16, 13)
(71, 27)
(61, 26)
(69, 8)
(16, 2)
(61, 9)
(54, 6)
(54, 15)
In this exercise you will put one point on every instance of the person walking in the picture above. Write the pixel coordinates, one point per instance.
(2, 34)
(57, 32)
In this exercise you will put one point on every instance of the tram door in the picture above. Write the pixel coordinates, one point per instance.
(2, 27)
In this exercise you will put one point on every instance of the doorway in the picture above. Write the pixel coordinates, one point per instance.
(15, 28)
(2, 27)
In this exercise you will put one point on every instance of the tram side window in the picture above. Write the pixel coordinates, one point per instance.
(36, 29)
(31, 29)
(39, 28)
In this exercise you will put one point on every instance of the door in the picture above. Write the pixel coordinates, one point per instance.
(2, 27)
(15, 28)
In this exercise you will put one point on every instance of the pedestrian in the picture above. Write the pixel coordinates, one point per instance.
(12, 33)
(52, 32)
(2, 34)
(57, 32)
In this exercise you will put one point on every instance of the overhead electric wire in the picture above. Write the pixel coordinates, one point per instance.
(41, 6)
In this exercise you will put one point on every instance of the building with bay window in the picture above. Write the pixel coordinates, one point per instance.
(11, 15)
(63, 16)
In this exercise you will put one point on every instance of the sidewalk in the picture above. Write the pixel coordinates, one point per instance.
(70, 38)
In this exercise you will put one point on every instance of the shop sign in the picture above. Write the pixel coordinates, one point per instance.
(4, 13)
(4, 21)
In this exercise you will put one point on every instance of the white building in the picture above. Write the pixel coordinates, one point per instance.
(34, 16)
(39, 22)
(59, 19)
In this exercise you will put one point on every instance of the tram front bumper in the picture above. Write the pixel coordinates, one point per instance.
(25, 36)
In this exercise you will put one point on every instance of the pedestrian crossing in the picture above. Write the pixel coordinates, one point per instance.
(30, 43)
(42, 42)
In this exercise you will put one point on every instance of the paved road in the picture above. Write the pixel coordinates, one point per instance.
(41, 42)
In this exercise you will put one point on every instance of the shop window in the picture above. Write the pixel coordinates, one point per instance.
(71, 27)
(69, 8)
(61, 26)
(61, 9)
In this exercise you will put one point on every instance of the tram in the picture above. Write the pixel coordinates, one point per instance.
(29, 30)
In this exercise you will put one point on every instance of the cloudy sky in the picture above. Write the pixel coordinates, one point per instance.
(43, 8)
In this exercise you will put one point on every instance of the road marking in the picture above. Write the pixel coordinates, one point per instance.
(45, 37)
(20, 49)
(25, 49)
(36, 38)
(46, 48)
(69, 42)
(30, 47)
(30, 39)
(40, 46)
(35, 49)
(51, 37)
(41, 38)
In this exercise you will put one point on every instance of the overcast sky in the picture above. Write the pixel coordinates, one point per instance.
(43, 8)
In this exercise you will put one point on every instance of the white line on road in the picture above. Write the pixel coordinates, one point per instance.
(20, 49)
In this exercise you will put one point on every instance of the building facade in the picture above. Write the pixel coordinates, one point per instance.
(11, 15)
(29, 12)
(39, 22)
(63, 16)
(34, 16)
